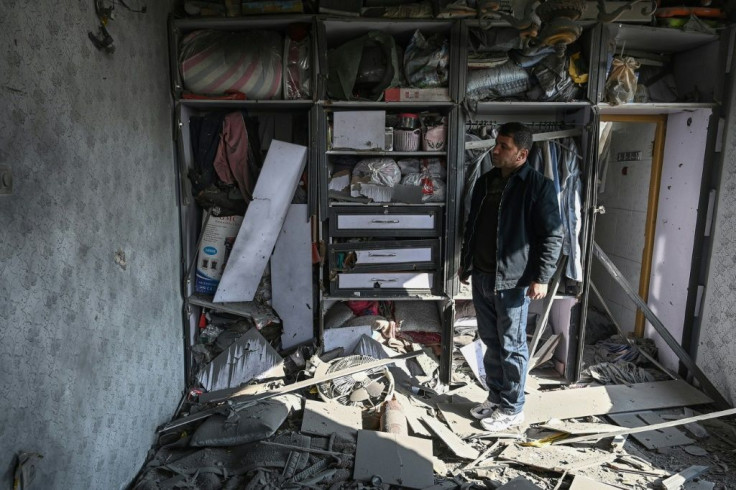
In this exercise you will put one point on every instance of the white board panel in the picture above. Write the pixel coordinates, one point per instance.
(291, 278)
(263, 220)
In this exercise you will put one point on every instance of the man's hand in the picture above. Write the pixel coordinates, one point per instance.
(460, 276)
(536, 290)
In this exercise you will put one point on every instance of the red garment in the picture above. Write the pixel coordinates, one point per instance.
(231, 160)
(362, 308)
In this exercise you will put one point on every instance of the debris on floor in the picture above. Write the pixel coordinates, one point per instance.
(368, 412)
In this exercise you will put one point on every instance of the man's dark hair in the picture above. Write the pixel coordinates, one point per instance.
(521, 134)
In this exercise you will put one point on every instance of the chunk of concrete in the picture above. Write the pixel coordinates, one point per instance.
(324, 419)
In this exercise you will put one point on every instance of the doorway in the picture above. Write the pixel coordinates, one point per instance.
(631, 154)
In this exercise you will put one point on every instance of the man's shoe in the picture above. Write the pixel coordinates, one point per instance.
(499, 421)
(483, 410)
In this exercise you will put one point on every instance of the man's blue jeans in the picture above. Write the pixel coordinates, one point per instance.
(502, 327)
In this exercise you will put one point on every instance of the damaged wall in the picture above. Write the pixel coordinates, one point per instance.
(91, 354)
(716, 354)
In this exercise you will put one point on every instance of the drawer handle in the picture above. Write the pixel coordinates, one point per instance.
(384, 221)
(371, 254)
(375, 279)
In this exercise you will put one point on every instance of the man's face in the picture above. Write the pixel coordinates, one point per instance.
(506, 154)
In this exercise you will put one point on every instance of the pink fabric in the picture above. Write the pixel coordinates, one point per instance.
(231, 160)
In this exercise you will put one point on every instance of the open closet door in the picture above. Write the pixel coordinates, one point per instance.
(590, 211)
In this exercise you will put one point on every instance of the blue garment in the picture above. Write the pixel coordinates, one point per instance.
(502, 328)
(571, 204)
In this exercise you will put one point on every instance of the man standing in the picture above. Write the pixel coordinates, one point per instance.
(511, 244)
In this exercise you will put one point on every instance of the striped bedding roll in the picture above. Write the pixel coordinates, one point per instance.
(215, 62)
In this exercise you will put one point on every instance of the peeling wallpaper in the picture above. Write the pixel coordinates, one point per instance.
(91, 353)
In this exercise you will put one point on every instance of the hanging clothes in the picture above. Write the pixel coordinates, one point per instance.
(571, 195)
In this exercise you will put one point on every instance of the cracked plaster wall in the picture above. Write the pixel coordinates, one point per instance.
(91, 354)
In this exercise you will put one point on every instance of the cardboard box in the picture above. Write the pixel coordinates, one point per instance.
(409, 94)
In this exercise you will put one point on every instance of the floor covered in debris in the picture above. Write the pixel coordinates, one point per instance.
(379, 418)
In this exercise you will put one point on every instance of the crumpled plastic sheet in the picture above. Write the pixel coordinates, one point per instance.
(616, 348)
(433, 188)
(298, 72)
(617, 373)
(500, 81)
(383, 171)
(426, 60)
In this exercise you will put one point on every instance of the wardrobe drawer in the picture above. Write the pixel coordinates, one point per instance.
(385, 255)
(383, 282)
(419, 221)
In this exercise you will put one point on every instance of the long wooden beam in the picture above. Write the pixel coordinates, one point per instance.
(708, 387)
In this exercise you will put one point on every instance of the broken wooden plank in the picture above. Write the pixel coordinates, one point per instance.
(667, 437)
(272, 195)
(250, 394)
(412, 414)
(584, 483)
(578, 428)
(246, 391)
(397, 460)
(676, 481)
(549, 300)
(697, 373)
(324, 419)
(559, 459)
(456, 445)
(600, 400)
(545, 352)
(291, 278)
(674, 423)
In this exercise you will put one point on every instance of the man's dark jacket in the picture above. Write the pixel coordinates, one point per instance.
(529, 229)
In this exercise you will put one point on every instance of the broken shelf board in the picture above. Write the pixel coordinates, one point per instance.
(679, 479)
(252, 394)
(673, 423)
(550, 458)
(261, 315)
(397, 460)
(291, 278)
(578, 428)
(323, 419)
(599, 400)
(272, 195)
(584, 483)
(651, 439)
(456, 445)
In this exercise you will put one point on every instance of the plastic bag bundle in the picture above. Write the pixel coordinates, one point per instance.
(621, 82)
(298, 72)
(500, 81)
(383, 171)
(216, 62)
(409, 165)
(433, 188)
(426, 60)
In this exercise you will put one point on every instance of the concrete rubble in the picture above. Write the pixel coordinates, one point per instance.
(371, 414)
